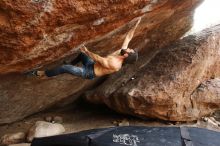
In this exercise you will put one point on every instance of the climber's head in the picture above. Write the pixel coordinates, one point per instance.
(131, 56)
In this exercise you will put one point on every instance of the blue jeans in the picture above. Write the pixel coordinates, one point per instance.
(86, 71)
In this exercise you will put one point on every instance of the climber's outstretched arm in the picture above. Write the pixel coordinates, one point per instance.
(130, 35)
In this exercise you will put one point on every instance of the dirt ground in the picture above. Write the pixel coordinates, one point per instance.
(84, 116)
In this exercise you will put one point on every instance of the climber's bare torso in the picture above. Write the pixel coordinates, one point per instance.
(116, 64)
(109, 64)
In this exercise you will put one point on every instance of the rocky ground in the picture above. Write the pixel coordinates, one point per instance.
(83, 116)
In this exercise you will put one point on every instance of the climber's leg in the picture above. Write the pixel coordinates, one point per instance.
(70, 69)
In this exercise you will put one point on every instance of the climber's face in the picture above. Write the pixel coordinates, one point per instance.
(127, 51)
(130, 56)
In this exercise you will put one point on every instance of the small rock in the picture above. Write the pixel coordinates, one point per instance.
(121, 123)
(115, 122)
(214, 122)
(44, 129)
(124, 123)
(205, 119)
(58, 119)
(13, 138)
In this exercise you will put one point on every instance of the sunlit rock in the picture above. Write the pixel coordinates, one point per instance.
(181, 83)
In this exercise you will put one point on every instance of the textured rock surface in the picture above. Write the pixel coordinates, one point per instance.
(206, 97)
(169, 86)
(44, 32)
(21, 96)
(13, 138)
(44, 129)
(34, 33)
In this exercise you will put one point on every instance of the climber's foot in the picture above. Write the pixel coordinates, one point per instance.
(35, 73)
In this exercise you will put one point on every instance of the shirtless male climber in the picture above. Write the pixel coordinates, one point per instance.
(95, 65)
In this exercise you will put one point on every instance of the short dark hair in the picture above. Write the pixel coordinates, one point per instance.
(132, 57)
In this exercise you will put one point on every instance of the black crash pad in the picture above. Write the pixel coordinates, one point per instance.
(134, 136)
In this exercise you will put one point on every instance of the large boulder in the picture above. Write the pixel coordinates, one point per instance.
(37, 32)
(42, 33)
(21, 96)
(179, 84)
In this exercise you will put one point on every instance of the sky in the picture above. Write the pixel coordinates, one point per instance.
(206, 15)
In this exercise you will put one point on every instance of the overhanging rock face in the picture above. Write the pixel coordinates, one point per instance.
(37, 32)
(40, 33)
(181, 83)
